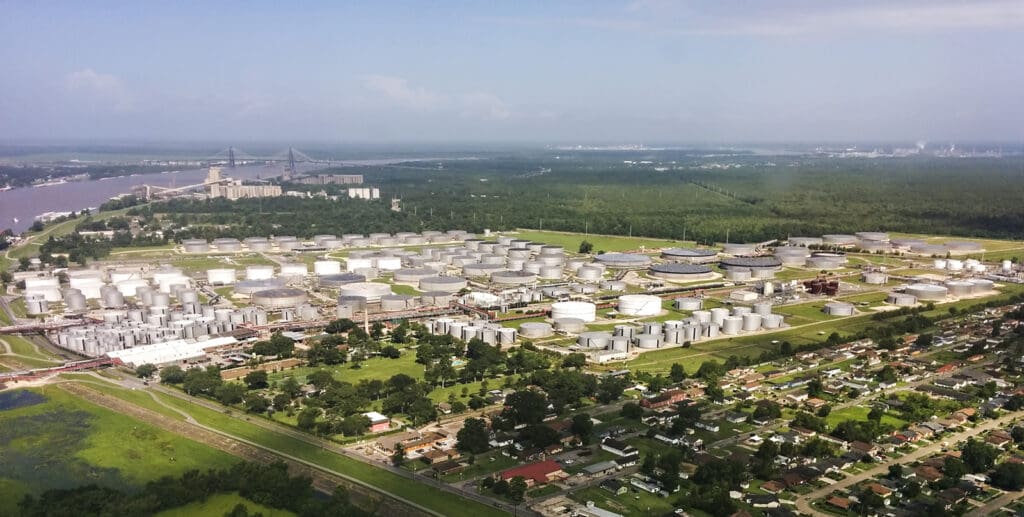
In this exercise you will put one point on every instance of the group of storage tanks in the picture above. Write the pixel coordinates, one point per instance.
(490, 333)
(108, 289)
(288, 243)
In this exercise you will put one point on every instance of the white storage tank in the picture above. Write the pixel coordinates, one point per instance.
(687, 304)
(732, 325)
(259, 272)
(927, 292)
(535, 330)
(960, 288)
(294, 270)
(838, 309)
(703, 316)
(639, 305)
(771, 321)
(751, 322)
(763, 308)
(222, 276)
(570, 325)
(901, 299)
(36, 304)
(584, 311)
(387, 263)
(875, 278)
(718, 315)
(648, 341)
(327, 267)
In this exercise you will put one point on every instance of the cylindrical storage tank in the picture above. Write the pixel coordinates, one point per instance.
(195, 246)
(704, 316)
(740, 311)
(873, 236)
(762, 308)
(639, 305)
(481, 269)
(1007, 266)
(355, 263)
(732, 325)
(294, 270)
(513, 277)
(448, 284)
(552, 250)
(326, 267)
(145, 295)
(551, 260)
(188, 296)
(492, 259)
(584, 311)
(806, 241)
(161, 300)
(519, 243)
(681, 272)
(982, 285)
(371, 291)
(718, 315)
(690, 255)
(519, 253)
(648, 341)
(652, 328)
(588, 273)
(939, 264)
(36, 304)
(613, 285)
(387, 263)
(771, 321)
(927, 292)
(436, 298)
(960, 288)
(619, 344)
(593, 339)
(875, 278)
(220, 276)
(551, 272)
(535, 330)
(901, 299)
(247, 287)
(279, 298)
(257, 244)
(532, 267)
(74, 300)
(954, 265)
(623, 260)
(751, 322)
(826, 261)
(840, 240)
(687, 304)
(627, 331)
(928, 249)
(397, 302)
(227, 245)
(763, 274)
(506, 336)
(570, 325)
(838, 309)
(739, 250)
(259, 272)
(711, 330)
(336, 281)
(413, 276)
(738, 275)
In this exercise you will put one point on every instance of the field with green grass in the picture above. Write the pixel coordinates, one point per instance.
(630, 504)
(571, 241)
(444, 503)
(222, 504)
(23, 347)
(860, 414)
(52, 439)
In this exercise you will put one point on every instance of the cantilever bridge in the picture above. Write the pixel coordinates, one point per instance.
(231, 156)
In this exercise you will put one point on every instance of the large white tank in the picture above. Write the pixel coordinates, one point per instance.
(954, 265)
(648, 341)
(294, 270)
(354, 263)
(327, 267)
(259, 272)
(639, 305)
(1007, 266)
(687, 304)
(751, 322)
(838, 309)
(771, 321)
(221, 276)
(593, 339)
(89, 286)
(732, 325)
(718, 315)
(927, 291)
(387, 263)
(534, 330)
(960, 288)
(581, 310)
(703, 316)
(130, 287)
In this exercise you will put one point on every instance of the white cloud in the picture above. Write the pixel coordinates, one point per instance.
(103, 91)
(474, 105)
(397, 90)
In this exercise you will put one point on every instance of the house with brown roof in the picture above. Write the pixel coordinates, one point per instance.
(928, 473)
(842, 503)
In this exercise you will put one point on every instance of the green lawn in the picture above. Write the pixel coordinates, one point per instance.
(4, 318)
(23, 347)
(18, 307)
(221, 504)
(639, 504)
(137, 397)
(443, 503)
(571, 241)
(860, 414)
(65, 442)
(493, 461)
(373, 368)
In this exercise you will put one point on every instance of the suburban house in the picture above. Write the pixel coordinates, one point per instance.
(540, 473)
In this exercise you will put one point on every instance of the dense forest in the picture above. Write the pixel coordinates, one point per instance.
(657, 194)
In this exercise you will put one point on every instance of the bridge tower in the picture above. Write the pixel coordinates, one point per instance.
(231, 157)
(291, 160)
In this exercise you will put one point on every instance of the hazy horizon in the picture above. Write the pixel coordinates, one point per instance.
(531, 73)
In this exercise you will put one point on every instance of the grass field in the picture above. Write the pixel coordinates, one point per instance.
(571, 241)
(860, 414)
(139, 398)
(630, 504)
(221, 504)
(444, 503)
(63, 442)
(21, 346)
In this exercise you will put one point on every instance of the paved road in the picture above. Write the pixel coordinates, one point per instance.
(803, 503)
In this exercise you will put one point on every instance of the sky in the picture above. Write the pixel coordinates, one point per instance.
(562, 72)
